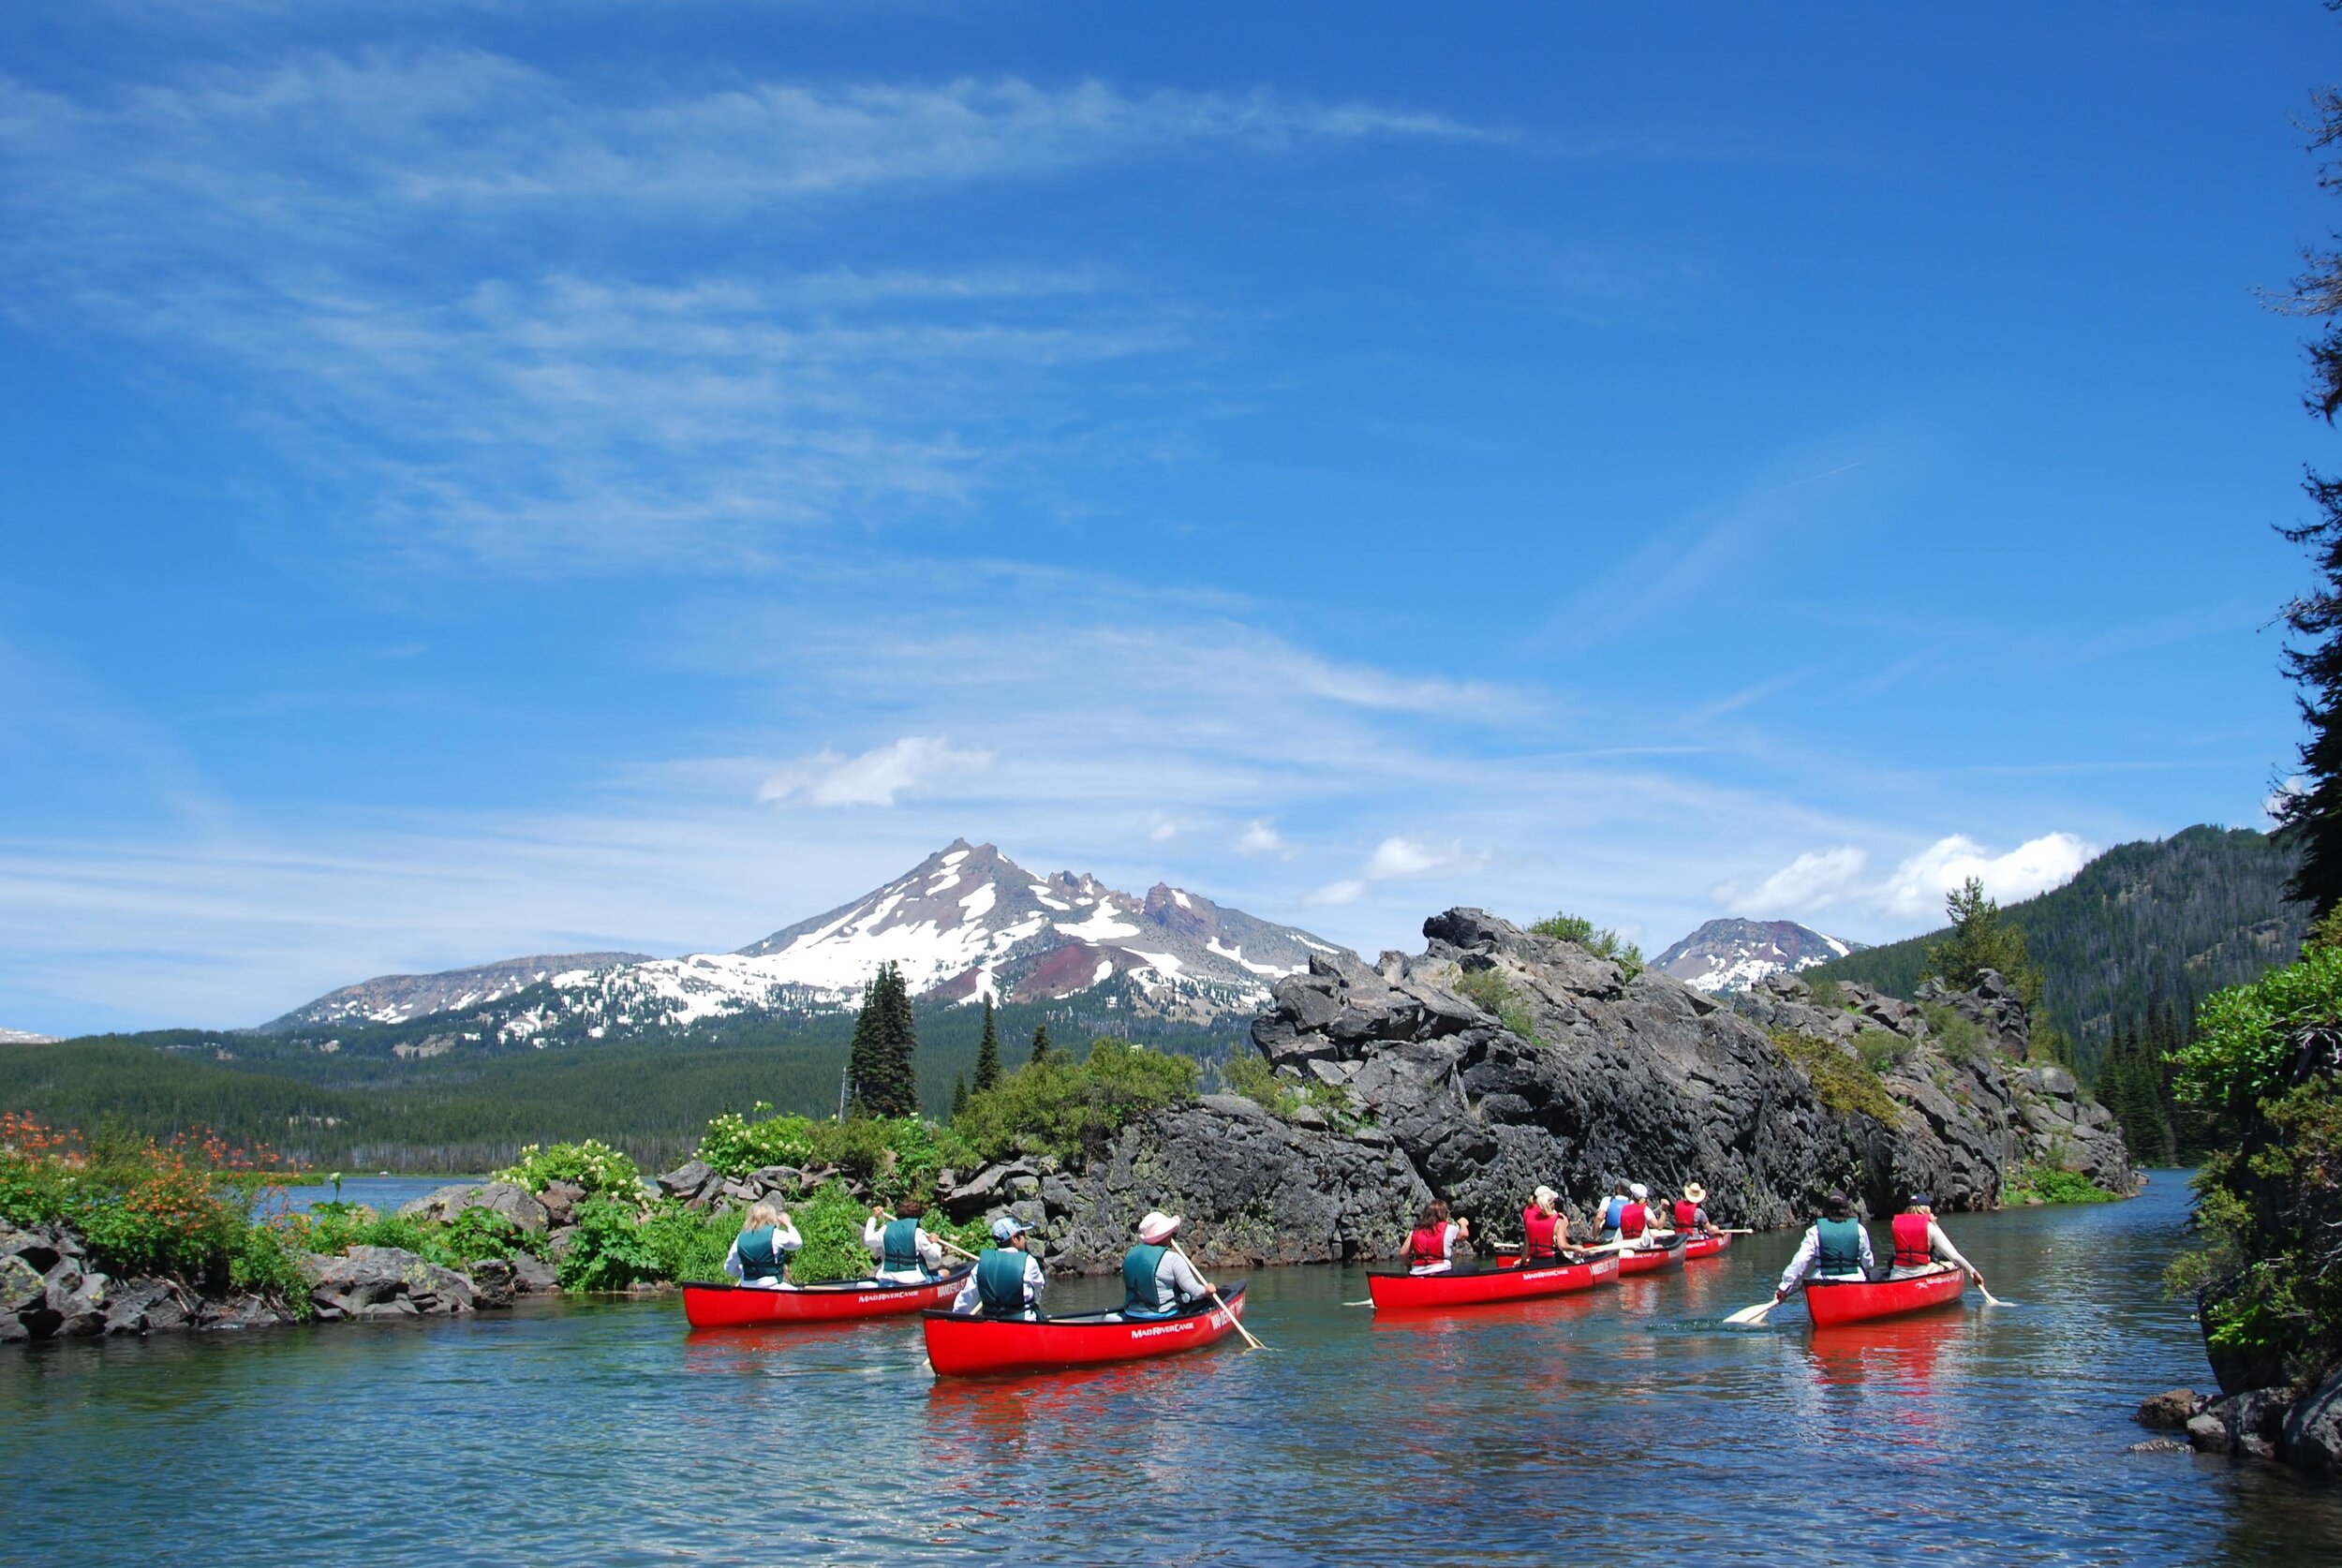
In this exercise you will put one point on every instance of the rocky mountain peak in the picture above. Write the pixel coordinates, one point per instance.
(1729, 956)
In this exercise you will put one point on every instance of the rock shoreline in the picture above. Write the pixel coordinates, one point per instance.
(2281, 1426)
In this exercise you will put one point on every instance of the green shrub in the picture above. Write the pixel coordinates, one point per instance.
(1825, 992)
(898, 1157)
(687, 1245)
(1062, 1108)
(1881, 1049)
(1491, 992)
(593, 1165)
(1601, 942)
(2053, 1184)
(1840, 1080)
(1287, 1097)
(606, 1250)
(1959, 1038)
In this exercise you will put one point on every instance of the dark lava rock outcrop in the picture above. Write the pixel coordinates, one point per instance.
(1498, 1060)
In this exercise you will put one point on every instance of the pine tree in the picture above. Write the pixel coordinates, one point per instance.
(959, 1095)
(1979, 939)
(988, 1051)
(880, 1072)
(2310, 814)
(1040, 1044)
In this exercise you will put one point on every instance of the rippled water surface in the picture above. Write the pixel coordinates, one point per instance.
(1623, 1425)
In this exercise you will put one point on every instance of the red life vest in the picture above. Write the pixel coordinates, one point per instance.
(1686, 1214)
(1912, 1248)
(1631, 1221)
(1539, 1226)
(1428, 1245)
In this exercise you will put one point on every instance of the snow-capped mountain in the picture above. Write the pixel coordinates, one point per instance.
(965, 923)
(395, 998)
(18, 1037)
(1726, 955)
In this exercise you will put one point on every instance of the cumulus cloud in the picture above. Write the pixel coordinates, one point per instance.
(1821, 880)
(2035, 866)
(1814, 881)
(1260, 837)
(1398, 858)
(910, 765)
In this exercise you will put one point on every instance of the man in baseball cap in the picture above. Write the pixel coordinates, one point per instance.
(1007, 1282)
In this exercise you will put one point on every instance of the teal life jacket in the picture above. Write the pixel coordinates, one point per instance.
(1000, 1280)
(900, 1247)
(1841, 1247)
(1142, 1294)
(760, 1257)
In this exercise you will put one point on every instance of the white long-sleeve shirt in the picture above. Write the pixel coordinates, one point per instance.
(1036, 1282)
(1447, 1239)
(930, 1253)
(785, 1239)
(1938, 1246)
(1809, 1253)
(1177, 1281)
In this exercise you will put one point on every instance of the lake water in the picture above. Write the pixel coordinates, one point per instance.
(1622, 1425)
(384, 1193)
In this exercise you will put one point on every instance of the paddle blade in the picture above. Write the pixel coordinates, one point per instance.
(1748, 1315)
(1990, 1299)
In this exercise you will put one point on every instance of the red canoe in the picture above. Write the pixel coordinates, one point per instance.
(1651, 1259)
(966, 1347)
(1509, 1281)
(1705, 1247)
(1836, 1301)
(725, 1306)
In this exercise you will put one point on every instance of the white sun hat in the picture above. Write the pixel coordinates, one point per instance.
(1157, 1227)
(1638, 1191)
(1545, 1195)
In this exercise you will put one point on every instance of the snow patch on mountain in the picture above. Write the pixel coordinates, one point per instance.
(1729, 956)
(963, 925)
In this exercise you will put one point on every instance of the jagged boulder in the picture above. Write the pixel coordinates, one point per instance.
(1253, 1189)
(515, 1203)
(384, 1282)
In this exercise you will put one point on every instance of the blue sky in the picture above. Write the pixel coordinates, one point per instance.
(496, 477)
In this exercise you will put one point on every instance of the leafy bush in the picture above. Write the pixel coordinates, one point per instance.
(1601, 942)
(1280, 1095)
(1062, 1108)
(1491, 992)
(1881, 1049)
(593, 1165)
(1840, 1080)
(687, 1245)
(1960, 1038)
(1825, 992)
(2053, 1184)
(606, 1250)
(898, 1157)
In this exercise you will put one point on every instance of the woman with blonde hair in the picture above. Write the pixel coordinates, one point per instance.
(760, 1255)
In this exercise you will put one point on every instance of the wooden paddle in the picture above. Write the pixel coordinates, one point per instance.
(1750, 1316)
(1235, 1321)
(1990, 1299)
(947, 1246)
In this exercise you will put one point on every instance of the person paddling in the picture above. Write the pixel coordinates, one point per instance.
(1634, 1217)
(1920, 1242)
(1431, 1246)
(1690, 1218)
(760, 1253)
(1835, 1246)
(1007, 1282)
(1610, 1210)
(907, 1254)
(1157, 1280)
(1545, 1229)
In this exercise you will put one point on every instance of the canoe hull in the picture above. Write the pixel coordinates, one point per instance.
(1438, 1291)
(1651, 1259)
(714, 1306)
(1706, 1247)
(966, 1347)
(1859, 1302)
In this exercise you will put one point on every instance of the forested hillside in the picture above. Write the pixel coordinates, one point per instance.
(2155, 923)
(368, 1105)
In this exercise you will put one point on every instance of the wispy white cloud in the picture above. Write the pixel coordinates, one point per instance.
(1400, 859)
(914, 764)
(1260, 837)
(1821, 880)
